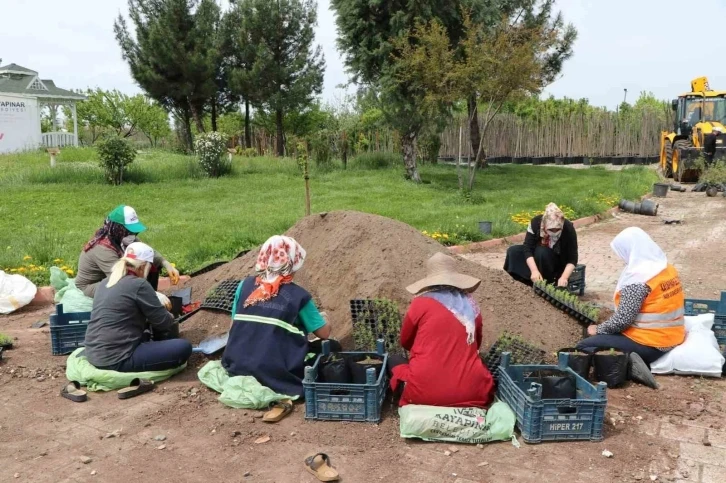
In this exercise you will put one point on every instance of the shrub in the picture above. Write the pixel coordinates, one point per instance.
(714, 174)
(246, 152)
(320, 146)
(376, 160)
(115, 154)
(211, 149)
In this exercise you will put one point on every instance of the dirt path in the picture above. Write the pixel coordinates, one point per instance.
(43, 437)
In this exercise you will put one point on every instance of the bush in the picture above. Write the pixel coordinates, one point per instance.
(246, 152)
(115, 154)
(211, 149)
(321, 148)
(714, 174)
(376, 160)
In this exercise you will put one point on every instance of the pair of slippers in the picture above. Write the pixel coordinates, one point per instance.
(73, 392)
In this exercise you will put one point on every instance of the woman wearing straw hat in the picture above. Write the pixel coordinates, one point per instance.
(442, 331)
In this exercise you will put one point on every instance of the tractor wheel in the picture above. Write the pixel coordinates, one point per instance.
(679, 168)
(668, 170)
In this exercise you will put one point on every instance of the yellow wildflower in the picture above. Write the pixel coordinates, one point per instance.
(21, 269)
(27, 257)
(58, 260)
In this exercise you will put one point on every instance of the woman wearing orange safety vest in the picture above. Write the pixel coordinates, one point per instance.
(648, 320)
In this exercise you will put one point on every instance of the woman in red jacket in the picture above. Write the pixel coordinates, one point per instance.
(442, 331)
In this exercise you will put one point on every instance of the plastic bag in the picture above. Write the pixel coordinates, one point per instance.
(611, 367)
(66, 292)
(334, 369)
(16, 291)
(458, 425)
(698, 356)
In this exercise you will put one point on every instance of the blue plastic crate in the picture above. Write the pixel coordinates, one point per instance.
(67, 330)
(346, 402)
(552, 419)
(716, 307)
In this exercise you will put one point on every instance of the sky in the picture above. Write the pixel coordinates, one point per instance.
(638, 45)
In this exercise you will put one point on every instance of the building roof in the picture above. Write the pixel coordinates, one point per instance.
(15, 79)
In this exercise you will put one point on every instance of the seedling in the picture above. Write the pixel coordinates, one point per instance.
(5, 340)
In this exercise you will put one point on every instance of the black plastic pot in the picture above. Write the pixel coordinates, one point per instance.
(518, 160)
(619, 160)
(611, 367)
(358, 370)
(176, 306)
(7, 346)
(335, 370)
(660, 189)
(578, 361)
(557, 385)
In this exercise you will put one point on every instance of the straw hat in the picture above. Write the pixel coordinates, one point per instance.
(441, 270)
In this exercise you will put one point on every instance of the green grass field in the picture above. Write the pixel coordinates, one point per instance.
(48, 214)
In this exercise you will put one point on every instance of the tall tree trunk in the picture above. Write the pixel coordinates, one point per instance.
(408, 146)
(248, 131)
(214, 114)
(474, 132)
(197, 116)
(280, 138)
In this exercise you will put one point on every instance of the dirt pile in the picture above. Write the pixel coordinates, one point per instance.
(357, 255)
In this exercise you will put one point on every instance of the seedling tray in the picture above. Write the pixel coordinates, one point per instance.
(552, 419)
(346, 402)
(521, 353)
(558, 299)
(222, 296)
(365, 315)
(207, 269)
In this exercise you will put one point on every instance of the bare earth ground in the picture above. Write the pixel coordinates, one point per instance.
(651, 434)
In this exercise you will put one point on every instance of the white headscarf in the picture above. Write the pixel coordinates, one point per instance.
(643, 257)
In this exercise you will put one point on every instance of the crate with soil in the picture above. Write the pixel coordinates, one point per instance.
(552, 403)
(521, 352)
(585, 313)
(346, 386)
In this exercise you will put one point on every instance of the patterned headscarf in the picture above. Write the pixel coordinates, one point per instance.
(110, 235)
(553, 221)
(280, 257)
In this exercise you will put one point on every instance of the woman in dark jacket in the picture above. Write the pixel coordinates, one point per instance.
(549, 251)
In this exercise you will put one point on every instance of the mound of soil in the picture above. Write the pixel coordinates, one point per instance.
(357, 255)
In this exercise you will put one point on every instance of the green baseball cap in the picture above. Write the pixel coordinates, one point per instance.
(126, 216)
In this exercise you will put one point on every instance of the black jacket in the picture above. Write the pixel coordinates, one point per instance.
(565, 248)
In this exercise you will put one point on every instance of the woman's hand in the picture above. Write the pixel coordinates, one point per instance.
(536, 276)
(172, 272)
(563, 282)
(592, 330)
(164, 301)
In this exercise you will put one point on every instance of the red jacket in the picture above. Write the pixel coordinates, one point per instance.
(442, 369)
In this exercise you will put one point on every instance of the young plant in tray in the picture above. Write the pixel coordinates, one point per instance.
(5, 340)
(381, 321)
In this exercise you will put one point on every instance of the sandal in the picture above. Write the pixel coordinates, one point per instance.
(136, 388)
(319, 466)
(278, 411)
(73, 392)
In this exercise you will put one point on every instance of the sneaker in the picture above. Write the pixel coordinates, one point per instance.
(640, 372)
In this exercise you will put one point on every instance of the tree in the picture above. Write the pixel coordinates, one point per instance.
(489, 66)
(287, 69)
(366, 35)
(173, 55)
(151, 119)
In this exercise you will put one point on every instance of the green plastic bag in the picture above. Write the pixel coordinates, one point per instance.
(241, 392)
(79, 369)
(458, 425)
(66, 292)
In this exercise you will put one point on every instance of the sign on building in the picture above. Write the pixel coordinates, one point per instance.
(19, 123)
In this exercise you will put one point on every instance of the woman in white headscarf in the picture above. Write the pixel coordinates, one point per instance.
(271, 319)
(549, 251)
(649, 300)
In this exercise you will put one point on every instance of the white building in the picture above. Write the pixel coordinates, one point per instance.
(23, 95)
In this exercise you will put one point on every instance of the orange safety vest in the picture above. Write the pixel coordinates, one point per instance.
(660, 321)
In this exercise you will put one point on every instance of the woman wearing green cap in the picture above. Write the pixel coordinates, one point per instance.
(107, 247)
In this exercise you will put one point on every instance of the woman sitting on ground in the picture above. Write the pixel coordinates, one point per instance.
(107, 246)
(124, 306)
(272, 317)
(549, 251)
(648, 320)
(442, 331)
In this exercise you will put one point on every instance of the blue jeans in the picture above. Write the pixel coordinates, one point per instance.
(621, 343)
(155, 356)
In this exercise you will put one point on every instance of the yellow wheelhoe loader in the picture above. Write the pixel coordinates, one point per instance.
(697, 114)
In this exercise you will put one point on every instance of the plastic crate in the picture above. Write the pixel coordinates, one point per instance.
(521, 353)
(67, 330)
(363, 312)
(716, 307)
(345, 402)
(221, 296)
(576, 282)
(552, 419)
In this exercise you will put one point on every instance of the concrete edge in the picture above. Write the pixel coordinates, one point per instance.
(519, 238)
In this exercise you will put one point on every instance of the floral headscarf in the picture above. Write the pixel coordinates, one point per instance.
(553, 221)
(280, 257)
(111, 236)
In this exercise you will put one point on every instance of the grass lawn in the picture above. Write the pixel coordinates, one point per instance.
(48, 214)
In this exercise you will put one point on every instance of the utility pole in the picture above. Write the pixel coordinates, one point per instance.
(625, 97)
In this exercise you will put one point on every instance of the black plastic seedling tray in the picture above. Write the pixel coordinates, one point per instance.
(565, 307)
(364, 312)
(522, 353)
(221, 296)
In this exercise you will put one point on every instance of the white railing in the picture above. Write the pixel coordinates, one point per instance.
(58, 139)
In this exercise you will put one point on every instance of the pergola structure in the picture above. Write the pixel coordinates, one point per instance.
(23, 96)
